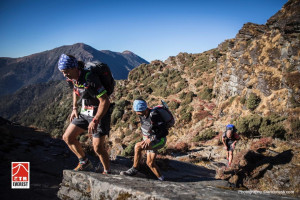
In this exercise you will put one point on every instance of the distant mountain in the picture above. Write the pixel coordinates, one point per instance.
(42, 67)
(251, 81)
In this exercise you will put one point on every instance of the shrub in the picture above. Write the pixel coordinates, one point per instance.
(133, 119)
(129, 150)
(243, 100)
(83, 138)
(294, 103)
(186, 113)
(253, 125)
(173, 105)
(129, 96)
(199, 83)
(182, 95)
(186, 117)
(295, 127)
(274, 130)
(148, 90)
(249, 125)
(253, 101)
(118, 111)
(116, 115)
(186, 109)
(271, 126)
(188, 98)
(205, 135)
(182, 84)
(206, 93)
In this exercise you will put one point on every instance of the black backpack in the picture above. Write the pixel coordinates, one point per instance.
(165, 113)
(104, 74)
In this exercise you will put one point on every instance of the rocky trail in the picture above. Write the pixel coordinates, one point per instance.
(50, 178)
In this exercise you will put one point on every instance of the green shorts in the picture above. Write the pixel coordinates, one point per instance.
(157, 144)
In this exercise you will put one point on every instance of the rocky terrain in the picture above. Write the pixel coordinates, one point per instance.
(251, 80)
(42, 67)
(50, 157)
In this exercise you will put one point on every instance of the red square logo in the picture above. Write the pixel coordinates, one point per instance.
(20, 172)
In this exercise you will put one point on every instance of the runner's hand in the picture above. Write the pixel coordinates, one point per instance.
(146, 143)
(73, 115)
(233, 145)
(92, 128)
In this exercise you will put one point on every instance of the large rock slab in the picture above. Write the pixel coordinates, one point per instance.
(89, 185)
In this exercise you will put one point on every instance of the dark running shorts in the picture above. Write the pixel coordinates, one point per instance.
(103, 128)
(229, 145)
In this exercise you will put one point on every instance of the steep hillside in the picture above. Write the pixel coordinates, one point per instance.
(42, 67)
(251, 80)
(45, 105)
(260, 69)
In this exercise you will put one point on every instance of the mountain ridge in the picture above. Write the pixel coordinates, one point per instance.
(42, 67)
(251, 80)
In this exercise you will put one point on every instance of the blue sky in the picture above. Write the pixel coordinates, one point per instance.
(152, 29)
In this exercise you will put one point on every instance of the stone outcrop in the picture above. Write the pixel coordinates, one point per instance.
(263, 59)
(87, 185)
(288, 18)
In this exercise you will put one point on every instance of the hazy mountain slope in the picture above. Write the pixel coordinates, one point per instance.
(42, 67)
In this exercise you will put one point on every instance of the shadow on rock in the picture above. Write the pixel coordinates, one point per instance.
(257, 165)
(173, 170)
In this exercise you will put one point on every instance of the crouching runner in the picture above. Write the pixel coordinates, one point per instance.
(154, 131)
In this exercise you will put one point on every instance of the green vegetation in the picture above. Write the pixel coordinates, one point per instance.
(129, 150)
(249, 125)
(243, 100)
(186, 113)
(205, 135)
(173, 105)
(203, 64)
(254, 125)
(198, 83)
(206, 93)
(118, 111)
(295, 127)
(188, 98)
(84, 138)
(253, 101)
(271, 126)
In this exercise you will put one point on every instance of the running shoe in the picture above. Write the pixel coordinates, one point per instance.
(88, 166)
(130, 172)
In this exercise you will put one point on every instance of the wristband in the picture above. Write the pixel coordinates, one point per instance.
(74, 108)
(95, 121)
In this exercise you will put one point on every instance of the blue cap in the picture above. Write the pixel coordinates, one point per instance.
(139, 105)
(66, 62)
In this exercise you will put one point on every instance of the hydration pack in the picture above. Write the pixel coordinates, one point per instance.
(104, 73)
(165, 113)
